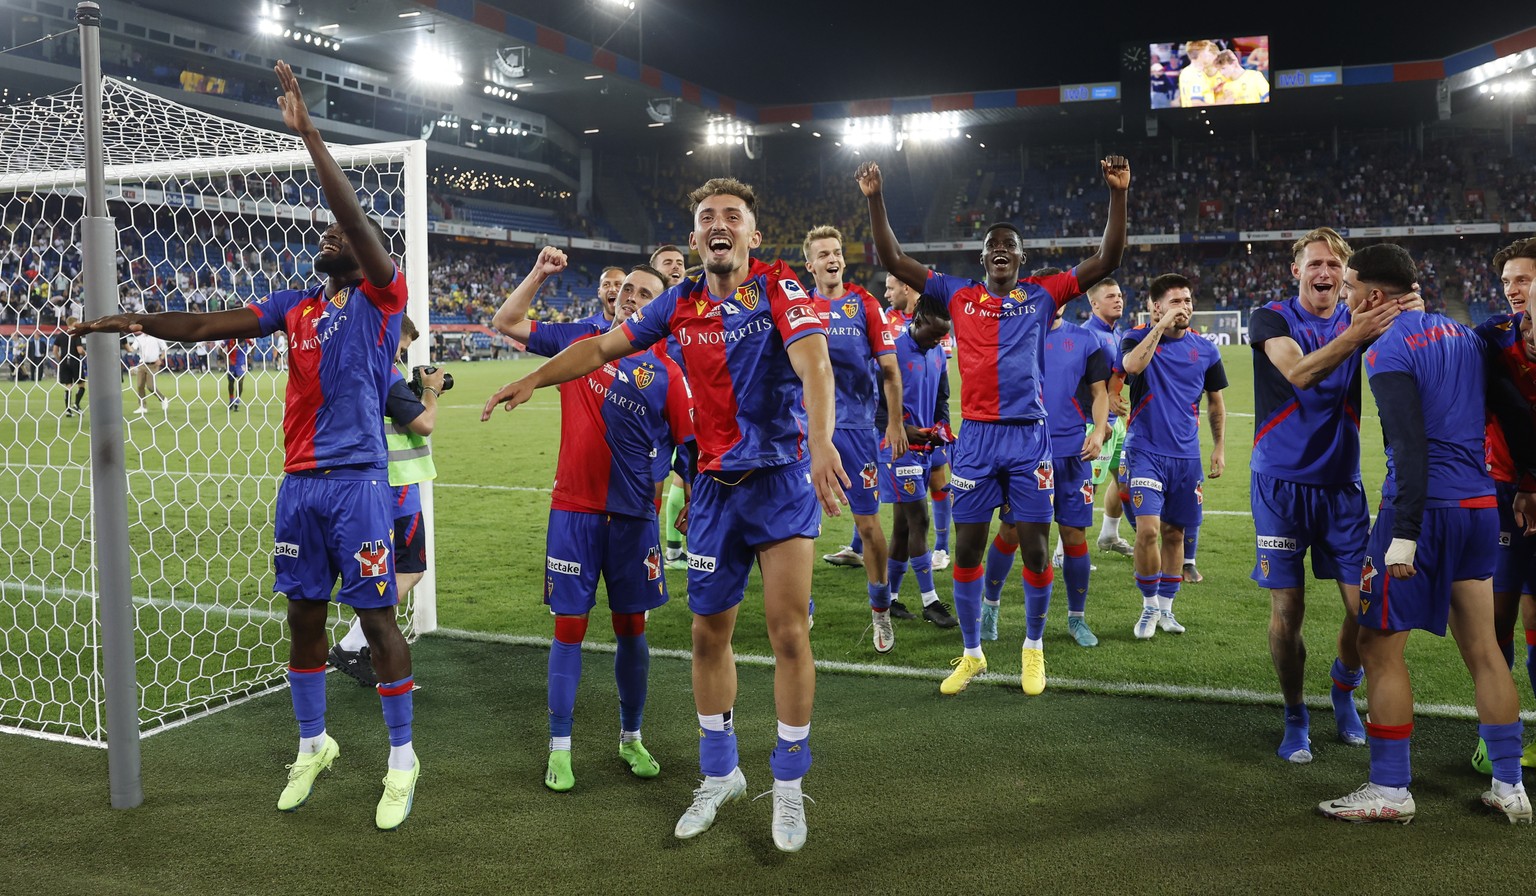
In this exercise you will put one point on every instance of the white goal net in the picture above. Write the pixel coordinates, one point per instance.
(210, 214)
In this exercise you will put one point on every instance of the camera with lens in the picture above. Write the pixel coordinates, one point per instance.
(418, 372)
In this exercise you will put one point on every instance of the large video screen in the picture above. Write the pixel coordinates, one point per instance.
(1231, 71)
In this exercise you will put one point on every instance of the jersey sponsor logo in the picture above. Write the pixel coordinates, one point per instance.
(748, 295)
(564, 567)
(962, 484)
(850, 308)
(1367, 572)
(1006, 309)
(1144, 482)
(1087, 491)
(1504, 539)
(801, 315)
(701, 562)
(614, 398)
(752, 327)
(644, 376)
(285, 549)
(372, 558)
(653, 564)
(869, 476)
(903, 471)
(1045, 476)
(1276, 543)
(887, 339)
(792, 288)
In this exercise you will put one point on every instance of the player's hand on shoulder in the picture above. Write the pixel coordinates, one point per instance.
(868, 177)
(510, 396)
(1117, 172)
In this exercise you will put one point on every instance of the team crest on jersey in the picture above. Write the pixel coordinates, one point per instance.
(340, 298)
(653, 564)
(748, 295)
(1367, 572)
(372, 559)
(850, 308)
(1066, 344)
(644, 376)
(1087, 491)
(869, 476)
(1136, 499)
(909, 486)
(1045, 477)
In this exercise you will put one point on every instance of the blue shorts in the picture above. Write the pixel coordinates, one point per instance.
(1290, 519)
(328, 527)
(906, 478)
(857, 448)
(1514, 570)
(1074, 491)
(994, 464)
(1455, 544)
(625, 549)
(938, 457)
(410, 543)
(1165, 487)
(729, 522)
(1123, 482)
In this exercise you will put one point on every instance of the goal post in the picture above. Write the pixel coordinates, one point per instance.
(209, 214)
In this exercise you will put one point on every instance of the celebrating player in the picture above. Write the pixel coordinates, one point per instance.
(1239, 85)
(1107, 301)
(608, 287)
(1003, 456)
(602, 517)
(1431, 550)
(1306, 492)
(1168, 368)
(756, 348)
(333, 514)
(672, 263)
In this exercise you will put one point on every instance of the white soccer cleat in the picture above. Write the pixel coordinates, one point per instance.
(1146, 626)
(1516, 806)
(789, 828)
(940, 560)
(1117, 545)
(1368, 803)
(1167, 623)
(885, 633)
(708, 797)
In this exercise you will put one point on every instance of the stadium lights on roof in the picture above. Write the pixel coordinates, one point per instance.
(411, 14)
(432, 68)
(656, 124)
(591, 77)
(590, 131)
(794, 124)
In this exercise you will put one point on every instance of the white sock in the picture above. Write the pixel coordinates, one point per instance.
(354, 640)
(974, 653)
(312, 744)
(930, 597)
(402, 758)
(992, 603)
(791, 788)
(725, 777)
(1111, 528)
(1165, 604)
(1059, 551)
(628, 737)
(1033, 644)
(1501, 789)
(1150, 602)
(1392, 793)
(794, 732)
(560, 743)
(1074, 614)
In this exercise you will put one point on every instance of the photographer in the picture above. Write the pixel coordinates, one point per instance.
(411, 409)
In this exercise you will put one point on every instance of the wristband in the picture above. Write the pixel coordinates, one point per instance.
(435, 393)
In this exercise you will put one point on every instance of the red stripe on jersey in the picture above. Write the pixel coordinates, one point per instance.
(1287, 410)
(585, 464)
(1139, 408)
(1481, 503)
(980, 398)
(714, 395)
(302, 405)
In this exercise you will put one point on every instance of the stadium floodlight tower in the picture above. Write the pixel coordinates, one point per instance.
(136, 583)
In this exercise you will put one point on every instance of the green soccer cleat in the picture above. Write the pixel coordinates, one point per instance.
(557, 774)
(640, 761)
(399, 794)
(1480, 761)
(303, 772)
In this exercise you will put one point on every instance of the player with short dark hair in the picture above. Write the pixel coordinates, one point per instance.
(671, 262)
(1106, 299)
(1431, 549)
(1003, 456)
(1168, 369)
(333, 514)
(608, 286)
(756, 352)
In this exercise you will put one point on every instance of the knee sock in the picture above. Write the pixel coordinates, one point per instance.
(395, 698)
(1191, 543)
(306, 687)
(791, 756)
(999, 562)
(1390, 765)
(941, 519)
(631, 669)
(922, 569)
(717, 748)
(1167, 590)
(565, 674)
(879, 596)
(1148, 586)
(1503, 750)
(895, 571)
(968, 607)
(1037, 600)
(1075, 568)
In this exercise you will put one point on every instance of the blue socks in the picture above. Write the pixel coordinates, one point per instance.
(941, 519)
(856, 544)
(879, 597)
(1345, 715)
(717, 746)
(999, 563)
(307, 689)
(895, 571)
(922, 568)
(631, 670)
(1390, 765)
(1503, 750)
(1297, 725)
(396, 699)
(564, 676)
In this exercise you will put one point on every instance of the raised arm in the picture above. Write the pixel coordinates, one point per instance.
(908, 270)
(1137, 359)
(179, 326)
(371, 254)
(1117, 176)
(511, 318)
(577, 360)
(808, 356)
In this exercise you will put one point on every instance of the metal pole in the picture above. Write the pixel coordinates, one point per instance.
(109, 479)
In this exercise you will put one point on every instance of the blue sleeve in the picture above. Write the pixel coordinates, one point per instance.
(549, 340)
(943, 287)
(272, 310)
(401, 404)
(1265, 323)
(1402, 425)
(653, 323)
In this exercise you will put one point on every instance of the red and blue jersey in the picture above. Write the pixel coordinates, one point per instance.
(1074, 361)
(614, 423)
(751, 407)
(1444, 361)
(999, 341)
(340, 359)
(857, 334)
(1165, 398)
(237, 351)
(1308, 436)
(1505, 348)
(898, 321)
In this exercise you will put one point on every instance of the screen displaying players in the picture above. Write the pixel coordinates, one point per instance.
(1209, 72)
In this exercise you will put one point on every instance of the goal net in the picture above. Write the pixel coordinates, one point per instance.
(1220, 327)
(210, 214)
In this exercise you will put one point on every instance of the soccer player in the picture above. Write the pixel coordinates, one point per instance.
(925, 422)
(608, 287)
(1239, 85)
(151, 353)
(69, 354)
(1431, 550)
(602, 518)
(1003, 455)
(1197, 81)
(333, 514)
(863, 354)
(1107, 301)
(1168, 368)
(672, 263)
(237, 354)
(412, 417)
(1305, 472)
(1513, 352)
(756, 349)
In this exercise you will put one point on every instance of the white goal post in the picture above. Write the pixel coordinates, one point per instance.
(210, 214)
